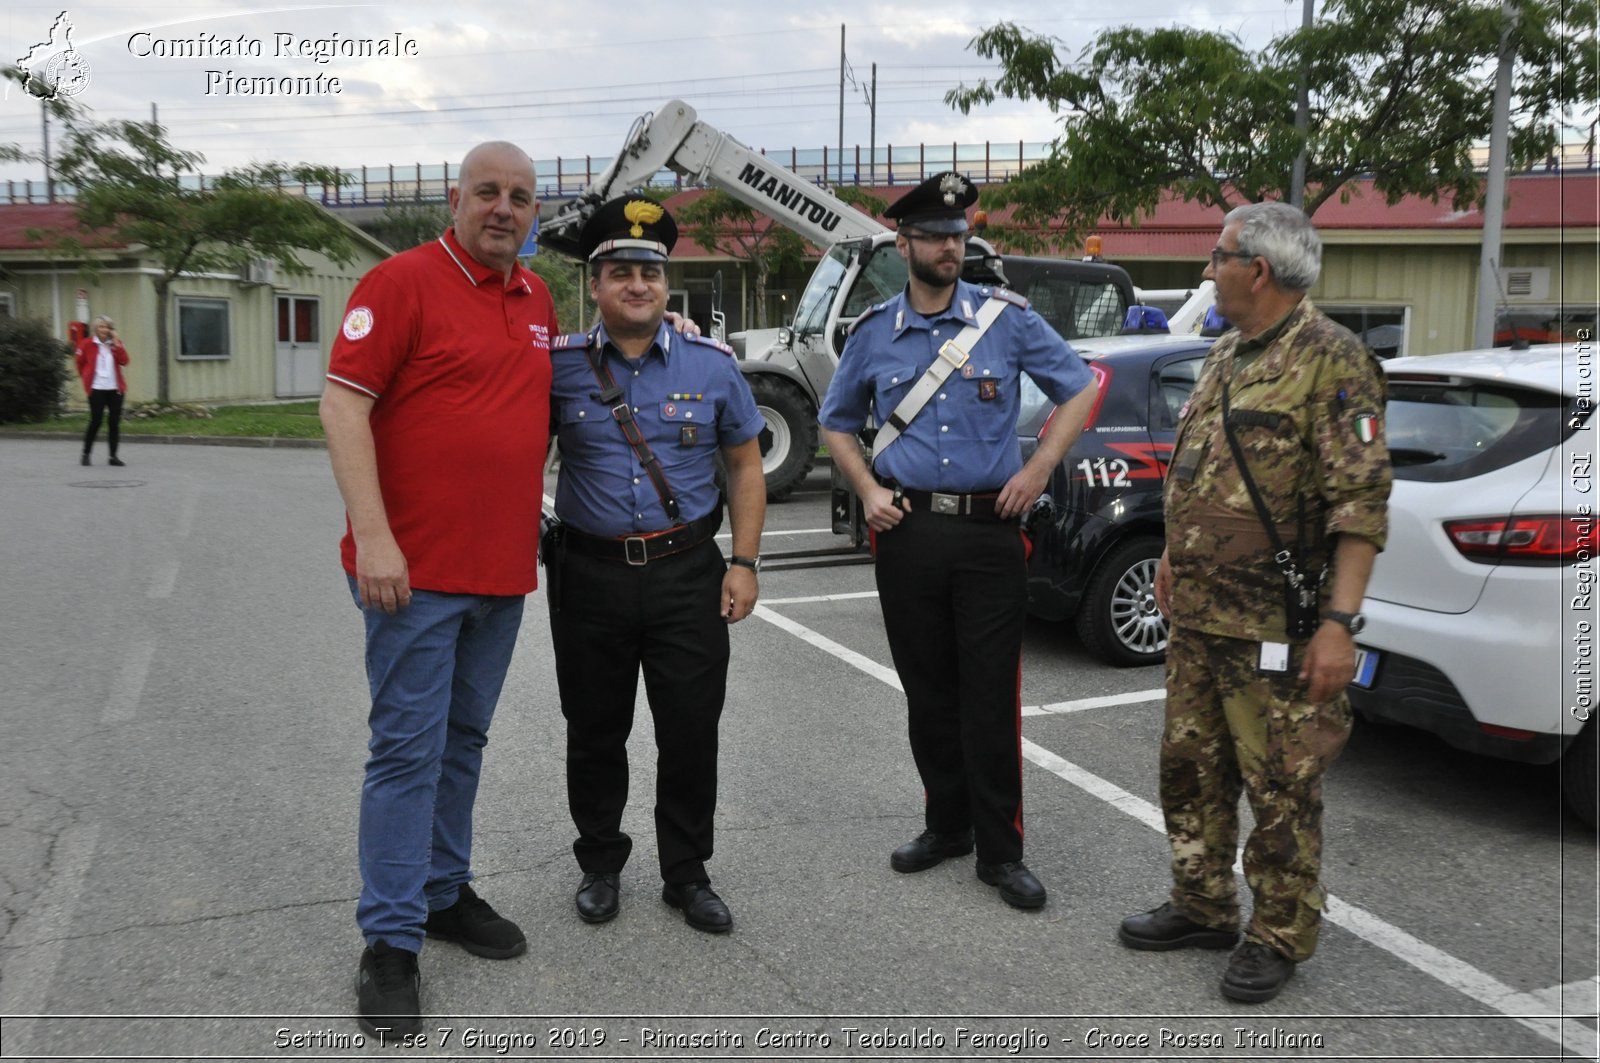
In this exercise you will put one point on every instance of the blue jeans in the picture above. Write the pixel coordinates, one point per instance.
(435, 670)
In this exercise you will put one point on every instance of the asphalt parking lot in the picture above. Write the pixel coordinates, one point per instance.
(184, 720)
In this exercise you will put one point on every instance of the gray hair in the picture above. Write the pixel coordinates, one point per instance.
(102, 318)
(1284, 236)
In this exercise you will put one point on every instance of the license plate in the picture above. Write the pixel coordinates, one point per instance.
(1366, 667)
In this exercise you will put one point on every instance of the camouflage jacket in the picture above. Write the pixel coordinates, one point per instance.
(1308, 414)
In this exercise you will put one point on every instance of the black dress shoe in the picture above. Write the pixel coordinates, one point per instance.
(599, 896)
(118, 462)
(1018, 887)
(1164, 928)
(86, 459)
(1256, 973)
(702, 908)
(929, 849)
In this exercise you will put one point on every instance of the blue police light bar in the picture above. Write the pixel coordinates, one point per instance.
(1143, 319)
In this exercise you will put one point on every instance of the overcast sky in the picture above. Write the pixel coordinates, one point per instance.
(564, 78)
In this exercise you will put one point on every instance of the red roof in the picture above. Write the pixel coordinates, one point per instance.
(17, 218)
(1188, 230)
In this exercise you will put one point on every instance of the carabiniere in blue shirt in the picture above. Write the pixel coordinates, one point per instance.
(688, 398)
(965, 439)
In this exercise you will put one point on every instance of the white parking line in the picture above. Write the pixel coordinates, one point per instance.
(1527, 1009)
(768, 533)
(39, 939)
(819, 598)
(163, 579)
(128, 688)
(1136, 697)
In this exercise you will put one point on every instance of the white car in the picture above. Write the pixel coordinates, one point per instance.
(1480, 611)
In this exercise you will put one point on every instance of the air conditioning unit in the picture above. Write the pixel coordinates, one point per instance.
(260, 271)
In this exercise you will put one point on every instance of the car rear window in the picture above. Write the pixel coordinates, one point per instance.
(1441, 430)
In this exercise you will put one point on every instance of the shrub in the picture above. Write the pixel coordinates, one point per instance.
(33, 369)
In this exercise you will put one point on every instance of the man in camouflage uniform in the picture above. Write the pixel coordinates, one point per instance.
(1249, 704)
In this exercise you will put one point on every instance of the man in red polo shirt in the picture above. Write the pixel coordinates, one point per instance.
(437, 418)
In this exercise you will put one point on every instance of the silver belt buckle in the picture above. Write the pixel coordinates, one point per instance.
(629, 551)
(948, 505)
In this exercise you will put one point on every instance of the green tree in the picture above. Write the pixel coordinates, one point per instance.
(861, 199)
(405, 224)
(719, 222)
(127, 182)
(567, 280)
(1400, 90)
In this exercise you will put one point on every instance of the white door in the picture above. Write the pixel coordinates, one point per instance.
(299, 347)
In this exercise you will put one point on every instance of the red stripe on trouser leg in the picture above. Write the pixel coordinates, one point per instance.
(1018, 818)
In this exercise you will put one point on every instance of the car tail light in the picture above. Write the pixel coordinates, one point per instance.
(1515, 734)
(1102, 377)
(1543, 539)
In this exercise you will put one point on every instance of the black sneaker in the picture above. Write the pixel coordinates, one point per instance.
(388, 990)
(118, 462)
(476, 927)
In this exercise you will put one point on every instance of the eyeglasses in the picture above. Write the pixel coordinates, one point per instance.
(1218, 254)
(936, 238)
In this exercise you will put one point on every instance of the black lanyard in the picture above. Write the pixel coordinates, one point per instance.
(622, 413)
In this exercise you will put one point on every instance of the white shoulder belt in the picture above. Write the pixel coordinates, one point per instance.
(952, 356)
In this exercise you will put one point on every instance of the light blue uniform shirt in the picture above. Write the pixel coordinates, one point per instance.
(689, 399)
(965, 438)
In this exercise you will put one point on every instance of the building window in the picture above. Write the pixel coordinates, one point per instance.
(1381, 328)
(8, 305)
(203, 329)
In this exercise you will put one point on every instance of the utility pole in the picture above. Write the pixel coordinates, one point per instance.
(1494, 207)
(1302, 121)
(841, 104)
(872, 129)
(49, 174)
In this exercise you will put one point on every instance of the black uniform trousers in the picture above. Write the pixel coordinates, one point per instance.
(609, 620)
(953, 590)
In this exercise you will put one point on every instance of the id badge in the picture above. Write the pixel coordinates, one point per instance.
(1274, 658)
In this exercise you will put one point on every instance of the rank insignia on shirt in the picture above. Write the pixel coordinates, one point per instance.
(689, 435)
(988, 389)
(1366, 427)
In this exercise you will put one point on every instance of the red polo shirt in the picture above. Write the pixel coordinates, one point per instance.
(458, 362)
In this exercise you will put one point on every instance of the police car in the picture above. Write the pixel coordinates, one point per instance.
(1098, 530)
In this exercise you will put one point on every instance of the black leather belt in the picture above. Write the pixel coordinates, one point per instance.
(651, 546)
(951, 505)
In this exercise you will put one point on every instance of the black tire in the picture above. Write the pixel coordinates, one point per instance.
(789, 440)
(1580, 773)
(1118, 620)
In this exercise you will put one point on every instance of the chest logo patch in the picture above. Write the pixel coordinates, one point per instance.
(988, 389)
(357, 323)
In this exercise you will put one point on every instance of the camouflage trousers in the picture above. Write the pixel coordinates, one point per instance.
(1229, 727)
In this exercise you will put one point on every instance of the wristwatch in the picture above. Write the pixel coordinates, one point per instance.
(1351, 622)
(751, 563)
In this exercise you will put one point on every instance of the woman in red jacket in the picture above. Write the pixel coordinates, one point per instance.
(100, 359)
